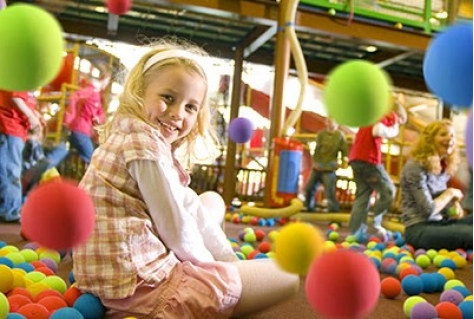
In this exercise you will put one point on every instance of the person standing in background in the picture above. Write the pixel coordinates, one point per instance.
(17, 116)
(330, 143)
(85, 110)
(370, 176)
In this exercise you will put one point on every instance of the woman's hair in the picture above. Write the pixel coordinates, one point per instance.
(131, 100)
(424, 151)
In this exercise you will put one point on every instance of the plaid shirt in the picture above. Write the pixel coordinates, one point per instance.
(124, 244)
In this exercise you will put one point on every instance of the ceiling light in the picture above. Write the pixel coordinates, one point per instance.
(371, 48)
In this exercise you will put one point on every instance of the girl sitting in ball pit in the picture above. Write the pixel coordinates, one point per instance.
(432, 213)
(155, 251)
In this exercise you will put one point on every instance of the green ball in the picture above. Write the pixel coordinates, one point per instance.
(4, 306)
(410, 302)
(357, 93)
(31, 49)
(423, 261)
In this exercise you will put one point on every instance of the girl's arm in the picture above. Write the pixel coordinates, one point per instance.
(29, 113)
(164, 197)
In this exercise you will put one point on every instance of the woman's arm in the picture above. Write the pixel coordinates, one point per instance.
(164, 197)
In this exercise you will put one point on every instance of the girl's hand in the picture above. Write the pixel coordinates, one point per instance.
(456, 211)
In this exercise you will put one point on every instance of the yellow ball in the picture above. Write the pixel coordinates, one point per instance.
(448, 273)
(6, 279)
(297, 246)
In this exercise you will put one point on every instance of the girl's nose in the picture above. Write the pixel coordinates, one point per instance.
(177, 111)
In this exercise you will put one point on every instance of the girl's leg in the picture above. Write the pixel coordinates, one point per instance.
(264, 284)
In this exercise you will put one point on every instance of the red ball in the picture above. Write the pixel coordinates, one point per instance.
(34, 311)
(449, 310)
(16, 301)
(260, 233)
(390, 287)
(119, 6)
(53, 303)
(264, 247)
(71, 294)
(47, 293)
(58, 215)
(343, 284)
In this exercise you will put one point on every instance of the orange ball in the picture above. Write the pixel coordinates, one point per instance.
(71, 294)
(58, 215)
(390, 287)
(449, 310)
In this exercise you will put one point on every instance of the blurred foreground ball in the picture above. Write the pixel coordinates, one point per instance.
(240, 130)
(31, 50)
(447, 66)
(58, 215)
(343, 285)
(297, 246)
(357, 93)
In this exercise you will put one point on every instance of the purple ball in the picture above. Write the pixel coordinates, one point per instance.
(240, 130)
(423, 310)
(468, 139)
(452, 296)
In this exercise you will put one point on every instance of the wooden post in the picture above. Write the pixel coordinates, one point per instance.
(277, 114)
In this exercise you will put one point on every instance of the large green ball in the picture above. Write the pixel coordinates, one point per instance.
(357, 93)
(31, 47)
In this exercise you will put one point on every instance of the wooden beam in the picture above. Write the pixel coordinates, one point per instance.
(311, 19)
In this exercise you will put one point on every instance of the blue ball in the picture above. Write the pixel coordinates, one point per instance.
(25, 266)
(430, 283)
(440, 281)
(412, 285)
(67, 313)
(6, 261)
(89, 306)
(71, 277)
(13, 315)
(466, 309)
(463, 290)
(447, 66)
(448, 263)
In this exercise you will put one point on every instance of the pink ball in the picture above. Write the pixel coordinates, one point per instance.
(343, 284)
(119, 6)
(58, 215)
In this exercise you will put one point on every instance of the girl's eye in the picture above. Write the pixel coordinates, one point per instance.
(167, 98)
(191, 107)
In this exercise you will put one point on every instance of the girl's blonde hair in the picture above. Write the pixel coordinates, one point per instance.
(131, 100)
(424, 151)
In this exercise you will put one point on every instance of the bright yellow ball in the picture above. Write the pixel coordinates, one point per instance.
(297, 246)
(6, 279)
(448, 273)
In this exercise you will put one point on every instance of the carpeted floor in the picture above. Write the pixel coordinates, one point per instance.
(297, 307)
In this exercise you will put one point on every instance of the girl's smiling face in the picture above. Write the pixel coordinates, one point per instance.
(173, 99)
(445, 140)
